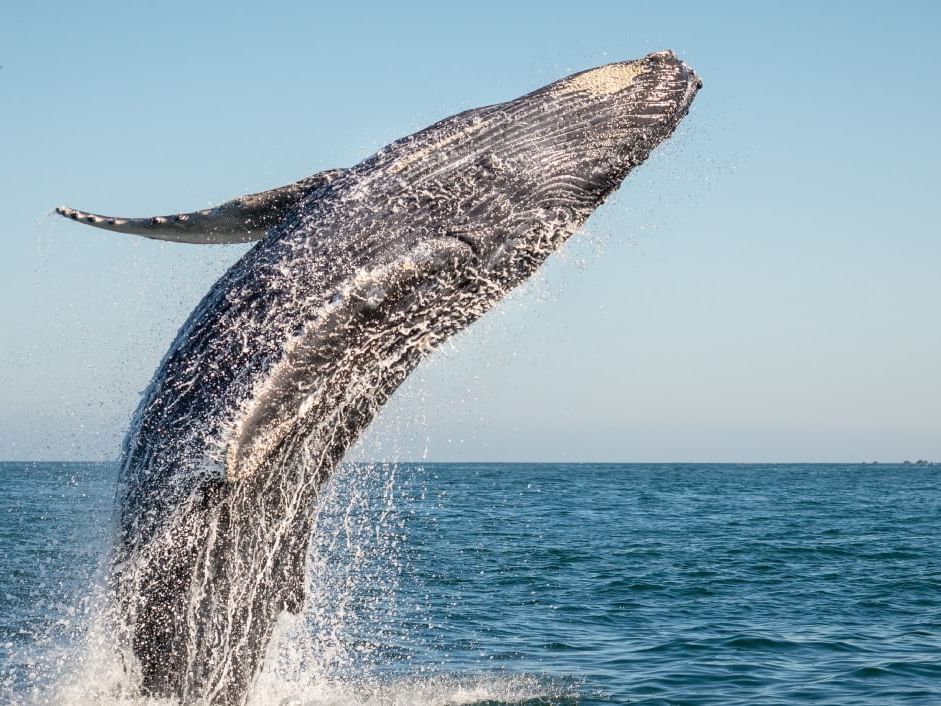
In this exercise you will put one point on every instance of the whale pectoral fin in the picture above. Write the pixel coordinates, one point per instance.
(240, 220)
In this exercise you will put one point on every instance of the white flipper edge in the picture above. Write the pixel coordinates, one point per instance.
(240, 220)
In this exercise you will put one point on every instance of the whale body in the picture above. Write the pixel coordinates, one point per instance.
(357, 274)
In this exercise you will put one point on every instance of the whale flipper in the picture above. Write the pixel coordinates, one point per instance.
(240, 220)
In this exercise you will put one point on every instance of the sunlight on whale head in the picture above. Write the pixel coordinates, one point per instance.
(604, 80)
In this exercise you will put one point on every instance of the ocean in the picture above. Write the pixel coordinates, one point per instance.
(437, 584)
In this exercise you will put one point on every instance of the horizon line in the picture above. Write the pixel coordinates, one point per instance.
(905, 462)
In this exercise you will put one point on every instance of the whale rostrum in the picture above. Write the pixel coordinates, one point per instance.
(356, 276)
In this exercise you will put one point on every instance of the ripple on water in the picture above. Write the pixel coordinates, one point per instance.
(544, 584)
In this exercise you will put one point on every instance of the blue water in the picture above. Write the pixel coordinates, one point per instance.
(552, 584)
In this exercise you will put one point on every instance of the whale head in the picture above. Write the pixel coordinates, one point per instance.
(512, 181)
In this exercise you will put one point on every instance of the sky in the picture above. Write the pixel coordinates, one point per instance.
(766, 288)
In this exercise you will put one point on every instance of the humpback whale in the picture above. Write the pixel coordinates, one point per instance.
(355, 276)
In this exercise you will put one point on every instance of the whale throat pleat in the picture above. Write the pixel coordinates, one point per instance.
(322, 383)
(241, 220)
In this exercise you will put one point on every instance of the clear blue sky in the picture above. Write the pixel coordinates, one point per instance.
(766, 288)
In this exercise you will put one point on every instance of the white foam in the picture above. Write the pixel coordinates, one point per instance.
(440, 690)
(351, 645)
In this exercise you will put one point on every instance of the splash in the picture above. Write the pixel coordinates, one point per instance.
(441, 690)
(357, 641)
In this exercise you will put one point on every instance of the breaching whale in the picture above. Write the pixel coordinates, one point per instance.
(357, 275)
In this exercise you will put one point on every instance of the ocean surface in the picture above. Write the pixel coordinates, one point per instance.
(535, 584)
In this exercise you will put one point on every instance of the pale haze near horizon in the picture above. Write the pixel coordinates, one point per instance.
(765, 288)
